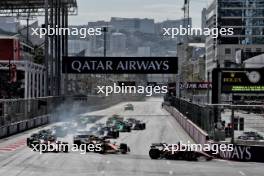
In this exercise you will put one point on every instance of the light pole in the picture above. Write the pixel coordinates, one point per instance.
(105, 30)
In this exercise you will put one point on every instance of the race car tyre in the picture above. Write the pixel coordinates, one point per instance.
(65, 148)
(123, 148)
(115, 135)
(102, 151)
(190, 156)
(143, 126)
(83, 146)
(28, 142)
(154, 153)
(87, 146)
(202, 158)
(77, 142)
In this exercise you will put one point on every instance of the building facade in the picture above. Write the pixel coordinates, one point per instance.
(133, 24)
(246, 17)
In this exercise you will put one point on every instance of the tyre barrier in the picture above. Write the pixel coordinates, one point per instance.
(196, 133)
(22, 126)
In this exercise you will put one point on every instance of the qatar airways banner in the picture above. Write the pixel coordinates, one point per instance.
(120, 65)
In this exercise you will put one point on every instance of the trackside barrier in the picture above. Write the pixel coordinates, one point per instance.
(196, 133)
(38, 121)
(22, 126)
(18, 127)
(13, 129)
(3, 131)
(44, 120)
(30, 123)
(22, 115)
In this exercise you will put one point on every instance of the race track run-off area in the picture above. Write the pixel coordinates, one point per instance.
(16, 159)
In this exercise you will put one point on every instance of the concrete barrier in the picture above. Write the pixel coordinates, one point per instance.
(38, 121)
(44, 120)
(3, 131)
(92, 103)
(31, 123)
(22, 126)
(13, 129)
(195, 132)
(18, 127)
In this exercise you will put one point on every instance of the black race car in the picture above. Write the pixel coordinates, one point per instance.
(41, 140)
(108, 132)
(105, 146)
(136, 124)
(129, 107)
(60, 131)
(162, 151)
(82, 138)
(41, 135)
(251, 136)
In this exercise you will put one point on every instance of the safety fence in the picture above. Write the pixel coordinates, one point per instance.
(196, 133)
(200, 115)
(240, 124)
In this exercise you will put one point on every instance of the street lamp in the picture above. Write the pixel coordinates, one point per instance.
(105, 30)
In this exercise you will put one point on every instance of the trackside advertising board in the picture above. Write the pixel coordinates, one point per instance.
(120, 65)
(250, 81)
(244, 153)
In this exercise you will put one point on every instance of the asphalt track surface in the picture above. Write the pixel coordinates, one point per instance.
(18, 160)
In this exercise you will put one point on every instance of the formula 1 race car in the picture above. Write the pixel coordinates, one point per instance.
(129, 107)
(105, 145)
(88, 142)
(83, 138)
(113, 148)
(43, 134)
(118, 124)
(251, 136)
(43, 141)
(162, 151)
(113, 119)
(104, 131)
(60, 131)
(122, 126)
(108, 132)
(136, 124)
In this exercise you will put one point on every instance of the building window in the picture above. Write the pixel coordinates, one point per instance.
(227, 51)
